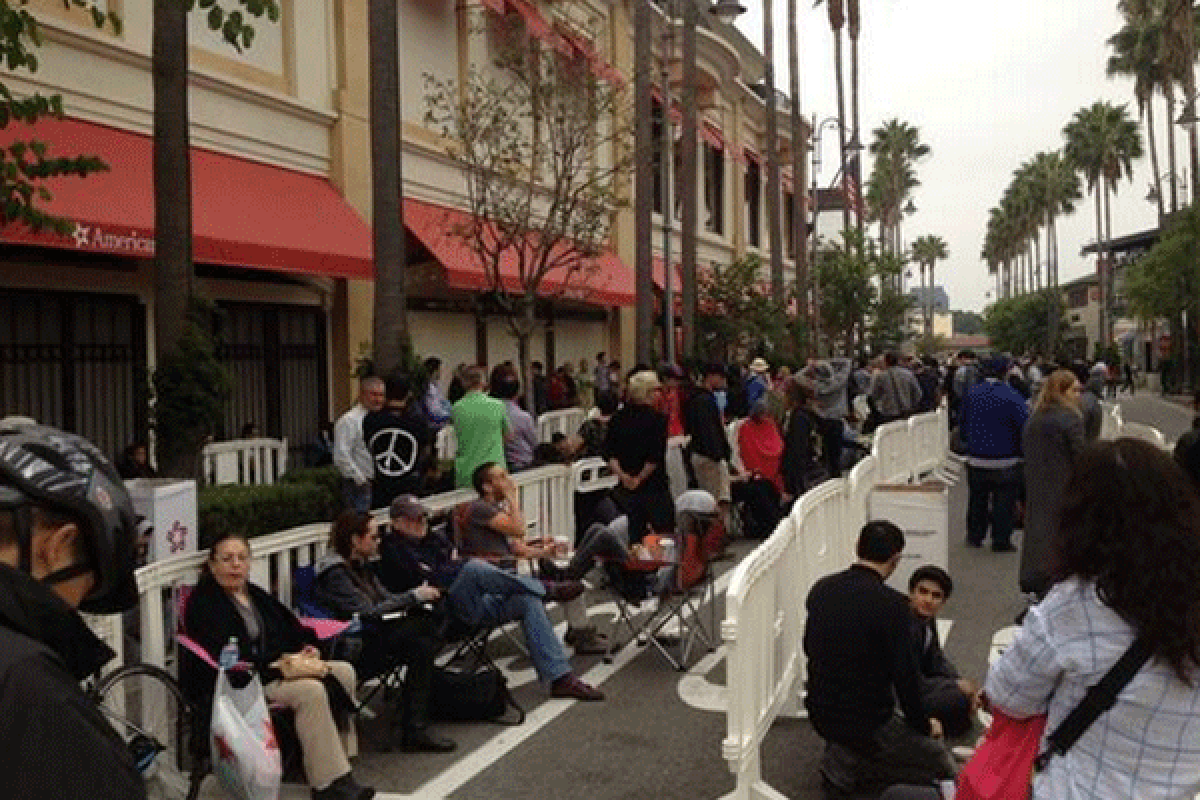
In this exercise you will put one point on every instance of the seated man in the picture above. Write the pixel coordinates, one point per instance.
(478, 593)
(494, 529)
(945, 695)
(858, 641)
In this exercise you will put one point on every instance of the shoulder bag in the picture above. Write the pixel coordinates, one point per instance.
(1005, 762)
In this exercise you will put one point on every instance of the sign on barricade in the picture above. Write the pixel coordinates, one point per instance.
(922, 510)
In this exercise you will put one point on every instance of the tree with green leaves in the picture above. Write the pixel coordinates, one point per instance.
(1018, 325)
(737, 318)
(927, 250)
(541, 144)
(1102, 142)
(26, 164)
(1165, 283)
(858, 283)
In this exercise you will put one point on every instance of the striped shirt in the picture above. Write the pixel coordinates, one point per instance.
(1146, 747)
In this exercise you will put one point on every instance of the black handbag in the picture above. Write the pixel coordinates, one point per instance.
(479, 696)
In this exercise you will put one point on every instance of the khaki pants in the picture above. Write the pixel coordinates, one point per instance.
(326, 749)
(712, 477)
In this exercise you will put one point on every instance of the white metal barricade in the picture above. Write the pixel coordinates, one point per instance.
(1136, 430)
(446, 443)
(923, 434)
(677, 476)
(592, 475)
(1110, 420)
(244, 461)
(893, 448)
(731, 433)
(764, 618)
(565, 421)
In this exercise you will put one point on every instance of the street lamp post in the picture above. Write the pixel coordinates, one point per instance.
(815, 302)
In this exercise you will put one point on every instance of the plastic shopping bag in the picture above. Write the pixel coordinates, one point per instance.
(245, 753)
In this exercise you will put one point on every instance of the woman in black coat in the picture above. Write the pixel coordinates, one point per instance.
(346, 585)
(226, 606)
(801, 435)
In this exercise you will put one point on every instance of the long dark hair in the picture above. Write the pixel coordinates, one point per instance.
(349, 523)
(1131, 524)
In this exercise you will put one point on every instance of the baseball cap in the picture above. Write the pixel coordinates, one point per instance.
(407, 505)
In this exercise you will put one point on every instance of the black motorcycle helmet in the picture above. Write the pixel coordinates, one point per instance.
(42, 466)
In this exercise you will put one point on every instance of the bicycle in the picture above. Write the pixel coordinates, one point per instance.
(147, 708)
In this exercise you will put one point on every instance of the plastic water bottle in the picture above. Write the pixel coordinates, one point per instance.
(355, 624)
(229, 654)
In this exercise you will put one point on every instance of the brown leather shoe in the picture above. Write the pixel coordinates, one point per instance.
(570, 686)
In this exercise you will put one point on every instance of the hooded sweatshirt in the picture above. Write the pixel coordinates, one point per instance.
(347, 588)
(54, 743)
(830, 379)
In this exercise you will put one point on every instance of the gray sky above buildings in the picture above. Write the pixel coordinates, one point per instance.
(989, 85)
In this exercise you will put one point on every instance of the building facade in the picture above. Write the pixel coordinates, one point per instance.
(280, 138)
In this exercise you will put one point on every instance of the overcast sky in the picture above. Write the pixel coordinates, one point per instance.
(988, 84)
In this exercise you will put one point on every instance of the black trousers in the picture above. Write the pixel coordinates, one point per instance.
(413, 641)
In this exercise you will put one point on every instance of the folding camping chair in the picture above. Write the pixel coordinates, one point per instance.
(682, 585)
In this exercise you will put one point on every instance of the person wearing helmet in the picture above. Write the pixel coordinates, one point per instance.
(67, 534)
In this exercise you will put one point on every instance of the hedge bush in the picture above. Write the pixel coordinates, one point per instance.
(328, 477)
(260, 510)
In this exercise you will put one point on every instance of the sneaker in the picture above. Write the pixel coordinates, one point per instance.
(570, 686)
(562, 591)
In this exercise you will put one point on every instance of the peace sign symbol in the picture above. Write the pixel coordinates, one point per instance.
(395, 451)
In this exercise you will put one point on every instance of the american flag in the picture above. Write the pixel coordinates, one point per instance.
(850, 185)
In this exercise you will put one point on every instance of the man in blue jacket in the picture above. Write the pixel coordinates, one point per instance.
(992, 418)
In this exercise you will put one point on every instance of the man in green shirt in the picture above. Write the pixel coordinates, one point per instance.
(480, 425)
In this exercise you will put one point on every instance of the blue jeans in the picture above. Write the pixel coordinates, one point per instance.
(486, 595)
(355, 497)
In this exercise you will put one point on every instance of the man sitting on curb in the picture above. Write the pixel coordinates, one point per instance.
(946, 695)
(858, 641)
(479, 593)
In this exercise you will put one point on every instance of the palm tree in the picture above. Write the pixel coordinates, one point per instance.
(1137, 53)
(853, 27)
(799, 220)
(1102, 142)
(390, 331)
(172, 175)
(643, 221)
(927, 250)
(1057, 183)
(774, 237)
(896, 148)
(1180, 54)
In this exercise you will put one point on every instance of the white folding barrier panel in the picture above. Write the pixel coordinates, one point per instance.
(446, 444)
(565, 421)
(893, 448)
(1136, 430)
(244, 461)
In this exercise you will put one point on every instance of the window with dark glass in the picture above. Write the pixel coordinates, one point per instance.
(714, 190)
(753, 203)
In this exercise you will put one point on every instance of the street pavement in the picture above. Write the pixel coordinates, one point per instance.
(1171, 417)
(659, 733)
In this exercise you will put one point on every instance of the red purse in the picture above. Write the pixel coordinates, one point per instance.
(1002, 767)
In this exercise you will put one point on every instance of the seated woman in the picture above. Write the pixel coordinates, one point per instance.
(225, 605)
(347, 586)
(758, 489)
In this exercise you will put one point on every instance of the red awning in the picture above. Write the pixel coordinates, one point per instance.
(604, 281)
(245, 214)
(596, 62)
(752, 155)
(660, 274)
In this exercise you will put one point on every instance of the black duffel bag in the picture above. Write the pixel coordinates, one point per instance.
(479, 696)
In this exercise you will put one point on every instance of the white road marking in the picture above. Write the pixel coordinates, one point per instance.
(506, 741)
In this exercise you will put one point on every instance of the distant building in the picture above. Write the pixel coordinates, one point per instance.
(936, 295)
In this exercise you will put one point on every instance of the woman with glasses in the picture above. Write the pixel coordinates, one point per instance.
(398, 629)
(226, 606)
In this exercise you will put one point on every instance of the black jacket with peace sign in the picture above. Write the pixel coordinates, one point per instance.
(400, 443)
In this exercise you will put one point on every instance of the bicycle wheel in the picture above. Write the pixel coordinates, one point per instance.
(148, 710)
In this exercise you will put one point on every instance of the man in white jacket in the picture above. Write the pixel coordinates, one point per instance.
(350, 454)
